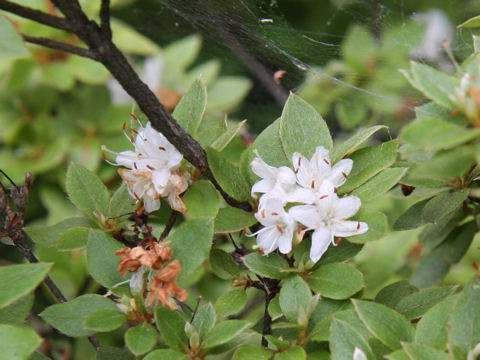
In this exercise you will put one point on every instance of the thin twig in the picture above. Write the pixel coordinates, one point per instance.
(169, 226)
(36, 15)
(57, 45)
(267, 319)
(105, 19)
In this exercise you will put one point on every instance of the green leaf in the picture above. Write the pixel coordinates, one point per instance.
(104, 320)
(249, 352)
(17, 343)
(208, 71)
(473, 22)
(223, 264)
(223, 332)
(436, 264)
(416, 304)
(73, 239)
(141, 338)
(189, 111)
(11, 44)
(231, 302)
(191, 243)
(101, 260)
(87, 70)
(202, 200)
(345, 337)
(392, 294)
(432, 328)
(302, 129)
(48, 236)
(435, 233)
(230, 219)
(110, 352)
(17, 311)
(435, 85)
(227, 175)
(70, 316)
(379, 184)
(204, 320)
(412, 218)
(183, 52)
(223, 140)
(120, 203)
(358, 48)
(423, 352)
(131, 41)
(336, 281)
(227, 92)
(166, 354)
(444, 204)
(19, 280)
(377, 226)
(270, 266)
(274, 308)
(398, 355)
(348, 146)
(57, 75)
(446, 164)
(171, 326)
(342, 252)
(368, 162)
(294, 353)
(465, 318)
(294, 294)
(441, 134)
(384, 323)
(87, 191)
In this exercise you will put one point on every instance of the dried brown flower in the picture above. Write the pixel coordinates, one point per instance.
(153, 256)
(164, 287)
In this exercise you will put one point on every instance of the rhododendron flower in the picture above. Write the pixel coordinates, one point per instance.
(276, 182)
(312, 173)
(154, 170)
(327, 217)
(278, 230)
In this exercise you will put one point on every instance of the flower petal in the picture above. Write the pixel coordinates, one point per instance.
(349, 228)
(340, 171)
(321, 240)
(285, 241)
(302, 170)
(307, 215)
(346, 207)
(262, 186)
(262, 169)
(267, 239)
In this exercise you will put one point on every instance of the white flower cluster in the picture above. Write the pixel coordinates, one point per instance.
(314, 184)
(153, 170)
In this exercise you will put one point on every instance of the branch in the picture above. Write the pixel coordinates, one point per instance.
(169, 226)
(57, 45)
(36, 15)
(105, 19)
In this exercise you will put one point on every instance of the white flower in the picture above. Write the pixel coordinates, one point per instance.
(154, 170)
(358, 354)
(311, 174)
(276, 182)
(327, 217)
(279, 227)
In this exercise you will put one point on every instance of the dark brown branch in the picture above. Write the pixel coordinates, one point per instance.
(57, 45)
(267, 319)
(105, 19)
(169, 226)
(36, 15)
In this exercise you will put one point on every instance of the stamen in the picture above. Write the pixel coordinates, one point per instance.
(344, 175)
(161, 148)
(358, 226)
(263, 214)
(133, 130)
(136, 196)
(244, 229)
(335, 190)
(133, 116)
(135, 165)
(132, 140)
(299, 161)
(140, 211)
(475, 266)
(104, 155)
(326, 161)
(339, 240)
(260, 251)
(274, 213)
(124, 126)
(296, 171)
(133, 204)
(158, 196)
(323, 197)
(150, 167)
(279, 228)
(313, 184)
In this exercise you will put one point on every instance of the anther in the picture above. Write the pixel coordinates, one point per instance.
(104, 155)
(280, 229)
(313, 184)
(150, 167)
(135, 165)
(358, 226)
(133, 130)
(133, 116)
(339, 240)
(475, 266)
(263, 214)
(335, 190)
(323, 197)
(345, 175)
(296, 171)
(274, 213)
(299, 161)
(161, 148)
(136, 196)
(326, 161)
(132, 139)
(140, 211)
(124, 126)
